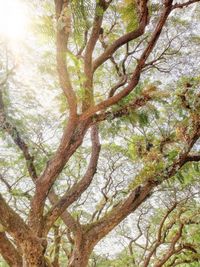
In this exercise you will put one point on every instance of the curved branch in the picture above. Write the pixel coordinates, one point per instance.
(159, 239)
(102, 227)
(186, 4)
(13, 223)
(72, 138)
(18, 140)
(126, 110)
(77, 189)
(172, 249)
(88, 98)
(15, 135)
(137, 72)
(62, 37)
(193, 157)
(125, 38)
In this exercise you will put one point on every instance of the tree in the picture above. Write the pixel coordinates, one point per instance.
(175, 240)
(101, 70)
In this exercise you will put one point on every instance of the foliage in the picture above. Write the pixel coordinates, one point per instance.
(100, 135)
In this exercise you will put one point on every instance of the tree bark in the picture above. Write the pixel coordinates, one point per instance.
(9, 252)
(34, 256)
(81, 253)
(79, 258)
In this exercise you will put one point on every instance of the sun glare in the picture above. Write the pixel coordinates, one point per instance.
(13, 19)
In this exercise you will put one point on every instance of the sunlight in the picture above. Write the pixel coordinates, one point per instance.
(13, 20)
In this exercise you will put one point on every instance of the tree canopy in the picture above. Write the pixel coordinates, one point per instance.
(100, 127)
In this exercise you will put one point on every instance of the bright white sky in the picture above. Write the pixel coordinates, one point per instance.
(13, 19)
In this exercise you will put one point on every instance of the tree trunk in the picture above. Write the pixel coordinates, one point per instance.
(81, 253)
(9, 252)
(79, 258)
(33, 253)
(31, 260)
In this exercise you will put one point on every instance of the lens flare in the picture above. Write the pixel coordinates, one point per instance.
(13, 19)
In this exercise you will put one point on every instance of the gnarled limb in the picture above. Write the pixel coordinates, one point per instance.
(64, 17)
(125, 110)
(57, 241)
(71, 140)
(22, 145)
(15, 135)
(159, 235)
(9, 252)
(125, 38)
(172, 249)
(186, 4)
(96, 231)
(193, 157)
(88, 98)
(137, 72)
(32, 247)
(75, 192)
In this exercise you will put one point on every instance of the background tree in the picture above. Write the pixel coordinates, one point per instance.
(174, 242)
(57, 187)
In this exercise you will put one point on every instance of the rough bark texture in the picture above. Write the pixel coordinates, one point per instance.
(33, 255)
(9, 252)
(31, 236)
(81, 252)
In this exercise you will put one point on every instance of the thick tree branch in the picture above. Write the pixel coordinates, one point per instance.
(125, 38)
(137, 72)
(9, 252)
(98, 230)
(9, 216)
(69, 221)
(22, 234)
(17, 138)
(57, 244)
(63, 16)
(73, 134)
(88, 98)
(193, 157)
(71, 140)
(77, 189)
(13, 223)
(125, 110)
